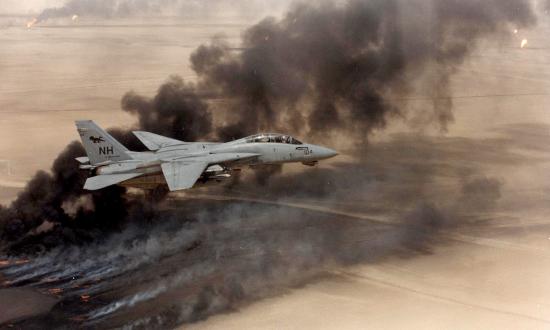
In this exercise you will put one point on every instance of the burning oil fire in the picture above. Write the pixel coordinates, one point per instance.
(85, 298)
(31, 23)
(55, 290)
(49, 280)
(523, 43)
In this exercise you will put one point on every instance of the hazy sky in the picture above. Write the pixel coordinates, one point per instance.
(26, 6)
(34, 7)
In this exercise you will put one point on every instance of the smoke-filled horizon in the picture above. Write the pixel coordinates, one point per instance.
(323, 67)
(114, 9)
(336, 68)
(221, 255)
(329, 68)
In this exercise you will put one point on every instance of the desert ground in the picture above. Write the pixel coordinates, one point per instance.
(489, 273)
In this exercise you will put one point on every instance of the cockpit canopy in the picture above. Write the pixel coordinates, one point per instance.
(271, 137)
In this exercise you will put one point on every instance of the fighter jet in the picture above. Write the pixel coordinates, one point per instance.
(181, 165)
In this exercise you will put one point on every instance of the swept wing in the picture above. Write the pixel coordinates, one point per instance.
(182, 175)
(154, 141)
(182, 172)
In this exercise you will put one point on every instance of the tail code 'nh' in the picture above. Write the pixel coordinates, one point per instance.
(100, 146)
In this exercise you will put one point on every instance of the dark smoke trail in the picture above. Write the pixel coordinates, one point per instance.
(215, 257)
(322, 68)
(176, 111)
(332, 67)
(81, 216)
(132, 8)
(327, 68)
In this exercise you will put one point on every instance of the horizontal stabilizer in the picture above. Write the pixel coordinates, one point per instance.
(154, 141)
(182, 175)
(105, 180)
(83, 160)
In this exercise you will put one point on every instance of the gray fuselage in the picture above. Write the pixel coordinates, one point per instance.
(149, 162)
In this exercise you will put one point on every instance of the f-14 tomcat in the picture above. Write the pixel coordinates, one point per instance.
(180, 165)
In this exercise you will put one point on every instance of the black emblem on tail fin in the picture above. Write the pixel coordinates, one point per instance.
(96, 139)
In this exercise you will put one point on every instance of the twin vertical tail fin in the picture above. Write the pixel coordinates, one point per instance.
(100, 146)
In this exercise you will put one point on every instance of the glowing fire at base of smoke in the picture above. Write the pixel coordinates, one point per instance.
(55, 290)
(49, 280)
(523, 43)
(31, 23)
(85, 298)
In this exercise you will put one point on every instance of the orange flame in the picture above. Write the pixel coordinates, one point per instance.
(85, 298)
(4, 262)
(55, 290)
(523, 43)
(49, 280)
(31, 23)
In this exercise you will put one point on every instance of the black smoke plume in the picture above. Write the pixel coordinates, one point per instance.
(332, 69)
(176, 111)
(79, 216)
(204, 257)
(324, 67)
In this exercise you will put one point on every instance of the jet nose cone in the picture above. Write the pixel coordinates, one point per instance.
(331, 153)
(327, 153)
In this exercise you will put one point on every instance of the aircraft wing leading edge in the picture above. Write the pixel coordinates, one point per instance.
(154, 141)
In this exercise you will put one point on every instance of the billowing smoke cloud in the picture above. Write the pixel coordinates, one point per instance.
(327, 68)
(322, 68)
(81, 216)
(78, 216)
(202, 257)
(176, 111)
